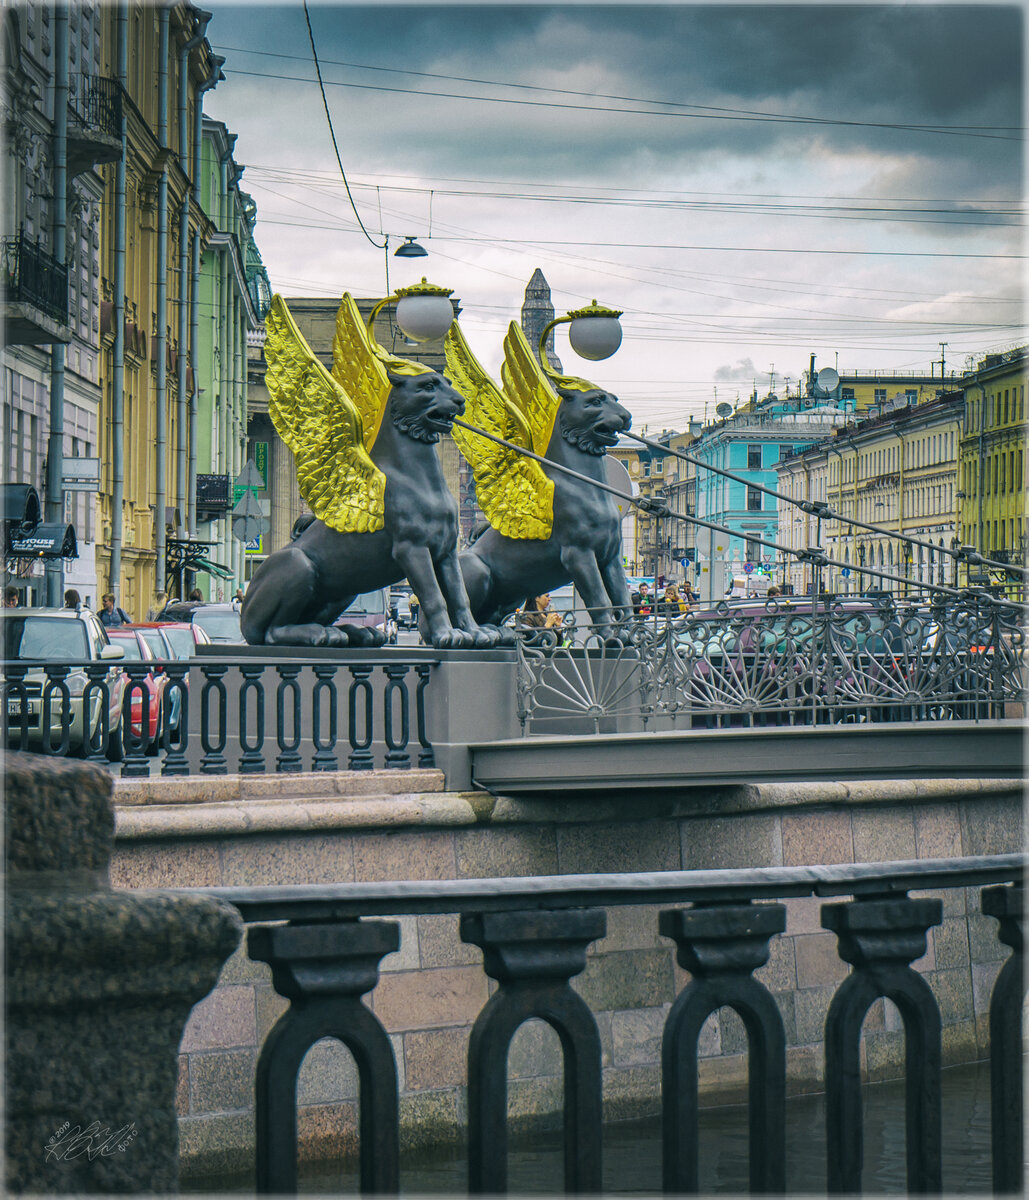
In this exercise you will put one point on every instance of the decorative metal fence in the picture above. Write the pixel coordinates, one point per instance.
(220, 717)
(34, 276)
(781, 662)
(534, 934)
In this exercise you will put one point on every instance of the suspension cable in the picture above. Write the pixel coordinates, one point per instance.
(815, 556)
(824, 511)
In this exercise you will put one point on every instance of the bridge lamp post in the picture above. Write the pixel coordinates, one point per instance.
(424, 311)
(594, 334)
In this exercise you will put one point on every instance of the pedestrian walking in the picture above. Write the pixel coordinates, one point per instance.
(157, 606)
(642, 601)
(112, 615)
(72, 599)
(11, 598)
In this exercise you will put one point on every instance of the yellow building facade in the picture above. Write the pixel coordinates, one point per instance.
(992, 459)
(151, 229)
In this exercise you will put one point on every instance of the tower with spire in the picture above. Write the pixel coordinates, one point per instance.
(537, 313)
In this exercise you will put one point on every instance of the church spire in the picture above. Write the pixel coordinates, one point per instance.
(537, 313)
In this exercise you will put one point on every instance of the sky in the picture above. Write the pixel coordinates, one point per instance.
(750, 184)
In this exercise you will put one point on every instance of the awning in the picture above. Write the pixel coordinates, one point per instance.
(45, 541)
(204, 565)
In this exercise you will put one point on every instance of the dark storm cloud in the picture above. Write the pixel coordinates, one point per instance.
(921, 64)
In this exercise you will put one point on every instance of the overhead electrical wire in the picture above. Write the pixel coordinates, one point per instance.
(700, 111)
(332, 132)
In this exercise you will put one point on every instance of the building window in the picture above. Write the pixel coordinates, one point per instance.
(753, 551)
(753, 499)
(847, 394)
(754, 458)
(911, 396)
(880, 395)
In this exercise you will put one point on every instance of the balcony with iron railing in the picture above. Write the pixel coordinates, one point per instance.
(94, 122)
(33, 292)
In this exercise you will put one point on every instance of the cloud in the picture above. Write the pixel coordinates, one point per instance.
(742, 371)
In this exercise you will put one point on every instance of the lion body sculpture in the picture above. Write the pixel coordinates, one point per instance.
(585, 545)
(301, 589)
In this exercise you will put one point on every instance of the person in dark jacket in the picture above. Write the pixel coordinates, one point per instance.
(642, 601)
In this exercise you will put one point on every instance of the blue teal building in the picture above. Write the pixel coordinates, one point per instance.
(749, 442)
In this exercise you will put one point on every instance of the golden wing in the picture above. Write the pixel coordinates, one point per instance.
(512, 490)
(319, 422)
(362, 367)
(528, 388)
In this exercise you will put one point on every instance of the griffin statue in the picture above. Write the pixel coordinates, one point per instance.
(363, 439)
(547, 528)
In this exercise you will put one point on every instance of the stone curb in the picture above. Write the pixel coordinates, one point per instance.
(205, 789)
(310, 814)
(202, 816)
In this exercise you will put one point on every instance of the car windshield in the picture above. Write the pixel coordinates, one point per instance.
(181, 641)
(52, 639)
(130, 646)
(153, 639)
(219, 626)
(373, 603)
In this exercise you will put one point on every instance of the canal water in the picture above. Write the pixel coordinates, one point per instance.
(632, 1152)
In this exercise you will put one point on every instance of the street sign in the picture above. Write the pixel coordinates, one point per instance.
(248, 505)
(261, 461)
(748, 567)
(250, 476)
(254, 546)
(247, 529)
(81, 475)
(845, 572)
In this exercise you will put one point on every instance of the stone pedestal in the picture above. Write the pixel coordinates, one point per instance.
(99, 986)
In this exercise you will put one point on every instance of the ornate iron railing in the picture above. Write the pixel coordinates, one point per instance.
(32, 275)
(326, 716)
(534, 933)
(785, 661)
(95, 103)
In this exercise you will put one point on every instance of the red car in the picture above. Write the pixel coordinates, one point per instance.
(137, 650)
(175, 640)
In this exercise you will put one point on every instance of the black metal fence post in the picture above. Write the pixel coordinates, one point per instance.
(288, 759)
(213, 761)
(397, 756)
(325, 757)
(721, 947)
(175, 761)
(881, 938)
(324, 970)
(533, 955)
(251, 760)
(360, 757)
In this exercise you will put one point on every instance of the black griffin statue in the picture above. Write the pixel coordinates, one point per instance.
(547, 529)
(364, 443)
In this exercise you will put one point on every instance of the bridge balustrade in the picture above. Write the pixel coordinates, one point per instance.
(780, 662)
(325, 944)
(216, 717)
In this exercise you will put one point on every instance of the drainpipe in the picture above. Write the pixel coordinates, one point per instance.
(180, 400)
(55, 441)
(194, 292)
(161, 338)
(981, 489)
(118, 365)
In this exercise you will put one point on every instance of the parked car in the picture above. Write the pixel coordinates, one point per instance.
(137, 649)
(176, 641)
(219, 621)
(60, 636)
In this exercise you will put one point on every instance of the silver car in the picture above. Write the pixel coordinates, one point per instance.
(60, 636)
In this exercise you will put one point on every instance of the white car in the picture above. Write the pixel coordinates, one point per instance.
(59, 636)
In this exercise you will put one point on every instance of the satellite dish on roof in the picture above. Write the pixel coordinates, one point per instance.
(828, 379)
(723, 409)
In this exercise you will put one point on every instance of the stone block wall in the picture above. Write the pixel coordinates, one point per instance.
(432, 989)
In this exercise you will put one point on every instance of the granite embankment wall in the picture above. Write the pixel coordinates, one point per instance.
(326, 829)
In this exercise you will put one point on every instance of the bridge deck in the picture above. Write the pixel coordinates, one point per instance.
(614, 764)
